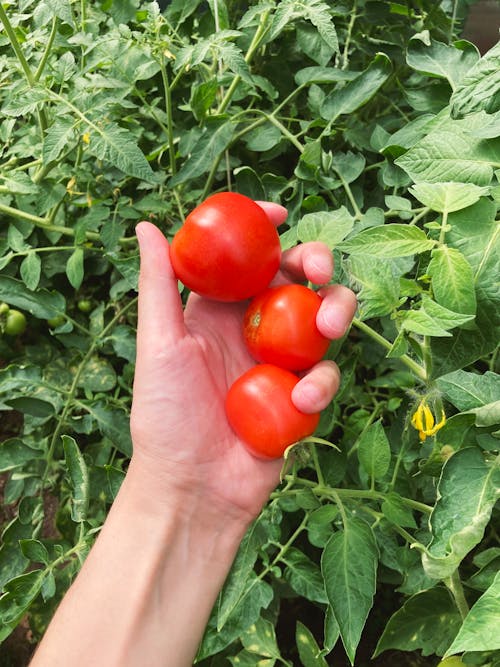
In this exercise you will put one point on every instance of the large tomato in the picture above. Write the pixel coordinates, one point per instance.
(279, 327)
(227, 249)
(259, 408)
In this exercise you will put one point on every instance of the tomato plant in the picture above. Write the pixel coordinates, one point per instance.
(260, 410)
(227, 249)
(279, 327)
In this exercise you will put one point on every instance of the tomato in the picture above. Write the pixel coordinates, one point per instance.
(279, 327)
(259, 409)
(15, 323)
(227, 249)
(84, 305)
(56, 321)
(4, 309)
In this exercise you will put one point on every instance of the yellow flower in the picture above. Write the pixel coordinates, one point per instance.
(423, 420)
(86, 138)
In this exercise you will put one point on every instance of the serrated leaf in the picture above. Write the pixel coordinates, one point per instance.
(74, 268)
(479, 631)
(79, 477)
(57, 138)
(427, 621)
(329, 227)
(211, 145)
(480, 88)
(452, 280)
(397, 512)
(467, 491)
(432, 319)
(359, 91)
(118, 147)
(450, 152)
(466, 390)
(349, 566)
(304, 576)
(452, 62)
(260, 639)
(30, 270)
(376, 283)
(374, 451)
(448, 197)
(113, 423)
(391, 240)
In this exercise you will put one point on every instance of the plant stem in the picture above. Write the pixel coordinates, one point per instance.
(254, 45)
(454, 584)
(291, 138)
(412, 365)
(345, 59)
(350, 196)
(48, 49)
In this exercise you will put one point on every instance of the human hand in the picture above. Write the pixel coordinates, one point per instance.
(186, 361)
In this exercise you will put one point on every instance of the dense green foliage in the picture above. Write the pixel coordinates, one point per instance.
(379, 130)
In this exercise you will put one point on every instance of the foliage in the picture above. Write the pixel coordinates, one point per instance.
(379, 129)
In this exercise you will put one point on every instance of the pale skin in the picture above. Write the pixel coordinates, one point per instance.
(146, 590)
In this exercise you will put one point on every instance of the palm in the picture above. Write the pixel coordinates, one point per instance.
(183, 409)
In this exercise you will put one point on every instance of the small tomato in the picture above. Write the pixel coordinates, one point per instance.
(227, 249)
(279, 327)
(84, 305)
(15, 323)
(260, 410)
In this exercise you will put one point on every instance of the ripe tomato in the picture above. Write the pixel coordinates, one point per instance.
(15, 323)
(279, 327)
(227, 249)
(259, 408)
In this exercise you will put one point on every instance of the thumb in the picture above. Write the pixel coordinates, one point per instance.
(161, 318)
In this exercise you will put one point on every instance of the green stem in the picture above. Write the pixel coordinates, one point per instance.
(412, 365)
(454, 585)
(48, 49)
(345, 59)
(286, 133)
(254, 45)
(357, 212)
(444, 225)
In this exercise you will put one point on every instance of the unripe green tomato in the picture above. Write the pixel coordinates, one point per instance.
(4, 309)
(85, 305)
(15, 323)
(56, 321)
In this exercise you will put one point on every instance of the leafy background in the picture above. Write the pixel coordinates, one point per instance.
(378, 127)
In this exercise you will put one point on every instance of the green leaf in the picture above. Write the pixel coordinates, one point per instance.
(30, 270)
(309, 651)
(431, 319)
(427, 621)
(452, 280)
(208, 149)
(391, 240)
(397, 512)
(452, 62)
(98, 375)
(118, 147)
(349, 566)
(75, 269)
(19, 593)
(35, 551)
(14, 453)
(467, 491)
(330, 227)
(58, 137)
(113, 423)
(79, 477)
(466, 390)
(260, 639)
(479, 631)
(450, 152)
(480, 88)
(377, 285)
(374, 451)
(448, 197)
(304, 576)
(40, 303)
(359, 91)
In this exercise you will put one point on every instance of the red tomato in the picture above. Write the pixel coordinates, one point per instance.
(227, 249)
(259, 408)
(280, 327)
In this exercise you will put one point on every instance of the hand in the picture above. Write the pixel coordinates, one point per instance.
(186, 361)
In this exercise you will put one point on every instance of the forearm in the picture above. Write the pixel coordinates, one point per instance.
(146, 590)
